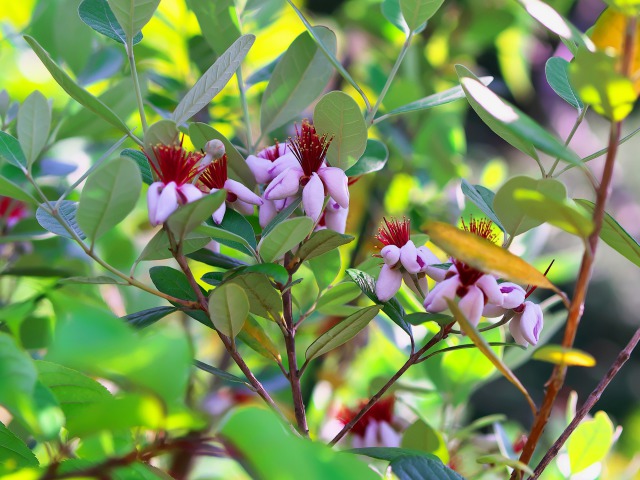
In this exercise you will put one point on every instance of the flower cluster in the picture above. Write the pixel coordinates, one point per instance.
(377, 428)
(11, 212)
(478, 294)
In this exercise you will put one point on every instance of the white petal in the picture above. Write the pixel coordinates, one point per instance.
(390, 254)
(531, 322)
(371, 435)
(242, 192)
(266, 213)
(284, 185)
(409, 257)
(411, 283)
(153, 195)
(388, 436)
(260, 168)
(490, 287)
(436, 300)
(218, 215)
(471, 305)
(313, 197)
(513, 295)
(336, 218)
(515, 328)
(190, 192)
(388, 283)
(167, 202)
(337, 184)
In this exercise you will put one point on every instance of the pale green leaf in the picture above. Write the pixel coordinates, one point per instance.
(557, 72)
(132, 15)
(416, 12)
(590, 442)
(190, 216)
(284, 237)
(98, 15)
(228, 309)
(34, 123)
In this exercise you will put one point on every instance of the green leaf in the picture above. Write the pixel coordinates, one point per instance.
(284, 237)
(339, 295)
(264, 300)
(413, 467)
(225, 237)
(510, 123)
(484, 347)
(158, 247)
(417, 12)
(338, 116)
(220, 373)
(215, 259)
(562, 214)
(516, 220)
(163, 132)
(74, 90)
(148, 317)
(557, 72)
(494, 460)
(590, 442)
(142, 162)
(614, 235)
(420, 318)
(67, 211)
(34, 123)
(99, 280)
(559, 355)
(299, 78)
(228, 309)
(11, 151)
(342, 332)
(282, 216)
(275, 271)
(190, 216)
(218, 23)
(326, 268)
(108, 196)
(373, 159)
(321, 242)
(422, 437)
(391, 11)
(435, 100)
(172, 282)
(213, 80)
(595, 77)
(132, 15)
(18, 374)
(14, 454)
(389, 453)
(236, 222)
(98, 15)
(270, 451)
(483, 199)
(201, 133)
(258, 339)
(10, 189)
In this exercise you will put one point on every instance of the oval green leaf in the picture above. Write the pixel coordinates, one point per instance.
(417, 12)
(132, 15)
(590, 442)
(373, 159)
(228, 309)
(284, 237)
(67, 210)
(98, 15)
(34, 123)
(557, 72)
(190, 216)
(321, 242)
(11, 151)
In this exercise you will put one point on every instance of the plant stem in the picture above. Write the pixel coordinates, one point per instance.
(245, 110)
(136, 85)
(372, 112)
(411, 361)
(569, 138)
(584, 276)
(592, 399)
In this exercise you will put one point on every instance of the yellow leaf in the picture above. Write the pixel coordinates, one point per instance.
(564, 356)
(484, 255)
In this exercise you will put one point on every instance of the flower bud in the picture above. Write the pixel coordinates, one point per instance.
(215, 148)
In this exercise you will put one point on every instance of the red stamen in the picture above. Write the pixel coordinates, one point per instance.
(395, 232)
(309, 148)
(484, 229)
(530, 289)
(272, 154)
(215, 174)
(382, 411)
(175, 164)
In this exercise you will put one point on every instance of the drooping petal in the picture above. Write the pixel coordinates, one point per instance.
(190, 192)
(313, 197)
(218, 215)
(493, 311)
(337, 184)
(260, 168)
(153, 195)
(528, 324)
(489, 286)
(335, 217)
(284, 185)
(390, 254)
(471, 305)
(436, 300)
(515, 328)
(388, 283)
(427, 257)
(388, 436)
(243, 207)
(422, 287)
(439, 274)
(513, 295)
(242, 192)
(409, 257)
(167, 202)
(267, 212)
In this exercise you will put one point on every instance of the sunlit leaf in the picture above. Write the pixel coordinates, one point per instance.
(11, 151)
(218, 22)
(630, 8)
(158, 246)
(338, 295)
(417, 12)
(557, 72)
(14, 452)
(391, 11)
(98, 15)
(564, 356)
(284, 237)
(132, 15)
(34, 123)
(190, 216)
(321, 242)
(423, 437)
(258, 339)
(338, 116)
(10, 189)
(264, 300)
(483, 199)
(484, 255)
(228, 309)
(590, 442)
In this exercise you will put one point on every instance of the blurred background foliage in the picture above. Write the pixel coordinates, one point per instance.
(430, 151)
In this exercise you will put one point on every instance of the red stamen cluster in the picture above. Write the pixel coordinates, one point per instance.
(215, 174)
(11, 209)
(467, 274)
(395, 232)
(175, 164)
(482, 228)
(272, 154)
(309, 148)
(381, 411)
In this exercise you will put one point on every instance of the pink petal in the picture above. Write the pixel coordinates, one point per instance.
(242, 192)
(337, 184)
(515, 328)
(427, 257)
(190, 192)
(493, 311)
(388, 283)
(283, 162)
(218, 215)
(260, 168)
(313, 197)
(153, 195)
(336, 219)
(388, 436)
(409, 257)
(266, 213)
(513, 295)
(167, 203)
(390, 254)
(371, 435)
(439, 274)
(284, 185)
(471, 305)
(531, 322)
(436, 300)
(489, 286)
(243, 207)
